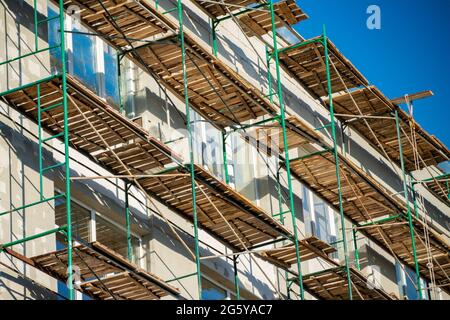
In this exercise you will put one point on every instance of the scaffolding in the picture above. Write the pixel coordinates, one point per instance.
(72, 113)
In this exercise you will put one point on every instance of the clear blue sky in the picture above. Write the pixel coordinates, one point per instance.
(410, 53)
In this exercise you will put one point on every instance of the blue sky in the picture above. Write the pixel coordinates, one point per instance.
(409, 54)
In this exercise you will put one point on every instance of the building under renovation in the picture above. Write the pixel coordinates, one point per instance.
(204, 149)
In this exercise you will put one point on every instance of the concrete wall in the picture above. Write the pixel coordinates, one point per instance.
(19, 173)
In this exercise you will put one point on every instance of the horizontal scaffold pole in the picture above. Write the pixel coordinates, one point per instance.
(29, 85)
(33, 237)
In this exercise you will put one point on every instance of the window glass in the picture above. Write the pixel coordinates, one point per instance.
(54, 40)
(207, 145)
(115, 238)
(83, 57)
(406, 281)
(111, 75)
(211, 291)
(80, 219)
(306, 203)
(323, 231)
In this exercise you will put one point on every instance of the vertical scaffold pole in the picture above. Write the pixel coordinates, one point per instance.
(191, 147)
(408, 207)
(286, 151)
(214, 25)
(119, 83)
(336, 161)
(236, 277)
(355, 245)
(225, 160)
(127, 222)
(66, 152)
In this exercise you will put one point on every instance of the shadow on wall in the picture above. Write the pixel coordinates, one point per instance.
(30, 290)
(159, 107)
(371, 258)
(22, 13)
(106, 198)
(218, 265)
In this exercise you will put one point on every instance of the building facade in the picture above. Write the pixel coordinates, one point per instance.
(156, 237)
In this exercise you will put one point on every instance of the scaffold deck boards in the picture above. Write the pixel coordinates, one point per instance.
(134, 19)
(331, 284)
(126, 138)
(397, 235)
(310, 248)
(215, 91)
(363, 198)
(258, 23)
(104, 274)
(215, 8)
(132, 144)
(307, 64)
(371, 102)
(269, 137)
(252, 225)
(441, 189)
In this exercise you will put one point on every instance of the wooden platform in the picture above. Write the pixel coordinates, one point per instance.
(310, 248)
(269, 137)
(371, 102)
(215, 10)
(215, 91)
(252, 224)
(145, 155)
(332, 284)
(140, 152)
(307, 65)
(397, 235)
(105, 275)
(363, 197)
(258, 23)
(135, 20)
(440, 189)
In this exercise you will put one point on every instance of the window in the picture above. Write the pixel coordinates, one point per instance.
(89, 59)
(406, 282)
(207, 145)
(309, 216)
(115, 237)
(322, 221)
(81, 217)
(83, 58)
(88, 226)
(111, 75)
(211, 291)
(54, 40)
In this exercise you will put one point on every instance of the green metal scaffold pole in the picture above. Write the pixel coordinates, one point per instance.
(66, 152)
(127, 222)
(336, 161)
(236, 277)
(191, 146)
(408, 207)
(286, 151)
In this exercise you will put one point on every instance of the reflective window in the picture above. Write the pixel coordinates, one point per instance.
(323, 231)
(211, 291)
(54, 40)
(83, 58)
(306, 203)
(115, 237)
(111, 75)
(80, 219)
